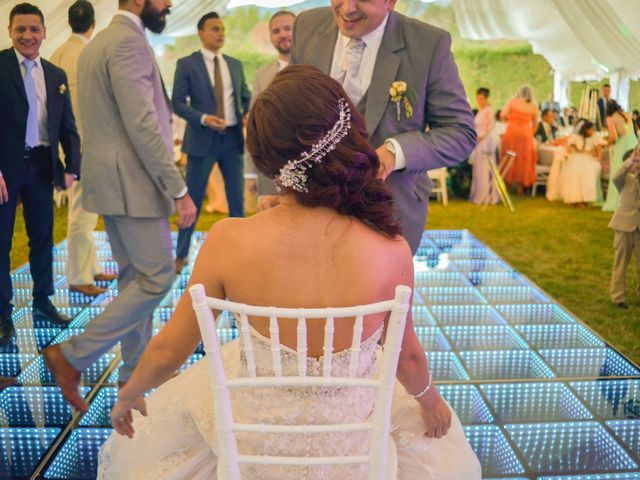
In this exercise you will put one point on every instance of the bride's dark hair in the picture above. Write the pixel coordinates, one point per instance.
(295, 112)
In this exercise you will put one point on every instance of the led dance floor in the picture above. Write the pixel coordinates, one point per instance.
(539, 394)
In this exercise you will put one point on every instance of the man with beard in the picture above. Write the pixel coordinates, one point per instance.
(281, 35)
(129, 178)
(210, 93)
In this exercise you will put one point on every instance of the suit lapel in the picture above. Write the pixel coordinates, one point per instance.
(53, 104)
(201, 66)
(324, 46)
(235, 82)
(14, 72)
(384, 73)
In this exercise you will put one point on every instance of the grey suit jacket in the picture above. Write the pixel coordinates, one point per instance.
(261, 81)
(627, 216)
(420, 55)
(128, 166)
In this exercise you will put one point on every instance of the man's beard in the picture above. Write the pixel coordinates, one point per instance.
(152, 19)
(282, 50)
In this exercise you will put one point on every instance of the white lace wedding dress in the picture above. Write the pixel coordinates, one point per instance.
(176, 439)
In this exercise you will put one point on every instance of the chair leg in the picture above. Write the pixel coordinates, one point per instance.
(533, 189)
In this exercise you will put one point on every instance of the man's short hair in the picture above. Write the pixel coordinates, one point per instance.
(606, 85)
(25, 9)
(280, 13)
(483, 91)
(81, 16)
(546, 110)
(205, 17)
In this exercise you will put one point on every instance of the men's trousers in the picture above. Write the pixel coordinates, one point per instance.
(226, 149)
(82, 263)
(35, 189)
(624, 245)
(142, 249)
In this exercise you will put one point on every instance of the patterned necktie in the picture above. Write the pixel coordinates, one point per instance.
(351, 60)
(218, 88)
(33, 135)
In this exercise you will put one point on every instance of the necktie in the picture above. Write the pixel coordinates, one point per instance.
(218, 87)
(33, 135)
(351, 61)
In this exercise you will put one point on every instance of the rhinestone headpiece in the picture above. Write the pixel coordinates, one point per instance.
(294, 173)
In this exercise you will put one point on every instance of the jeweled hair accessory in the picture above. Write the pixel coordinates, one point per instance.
(294, 173)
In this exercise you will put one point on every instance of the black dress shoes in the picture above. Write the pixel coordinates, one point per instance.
(6, 329)
(46, 311)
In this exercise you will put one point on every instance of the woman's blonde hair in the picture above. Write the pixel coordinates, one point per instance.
(526, 92)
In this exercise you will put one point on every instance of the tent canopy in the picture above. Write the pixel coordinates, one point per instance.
(581, 39)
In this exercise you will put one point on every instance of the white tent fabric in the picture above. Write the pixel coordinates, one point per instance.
(581, 39)
(182, 21)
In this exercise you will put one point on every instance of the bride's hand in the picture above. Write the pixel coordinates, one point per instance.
(435, 414)
(121, 415)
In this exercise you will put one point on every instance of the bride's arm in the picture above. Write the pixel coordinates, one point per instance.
(168, 350)
(413, 368)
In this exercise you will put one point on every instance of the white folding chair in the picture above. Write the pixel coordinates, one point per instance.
(382, 459)
(439, 177)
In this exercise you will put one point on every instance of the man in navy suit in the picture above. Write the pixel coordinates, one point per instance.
(210, 93)
(35, 117)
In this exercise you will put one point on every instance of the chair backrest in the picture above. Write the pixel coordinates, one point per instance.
(229, 460)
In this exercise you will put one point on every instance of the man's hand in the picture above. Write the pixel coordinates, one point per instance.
(4, 193)
(186, 212)
(69, 178)
(265, 202)
(215, 123)
(387, 161)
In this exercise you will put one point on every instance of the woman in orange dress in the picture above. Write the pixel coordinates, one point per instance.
(521, 115)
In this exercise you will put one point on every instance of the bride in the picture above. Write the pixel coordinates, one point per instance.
(331, 241)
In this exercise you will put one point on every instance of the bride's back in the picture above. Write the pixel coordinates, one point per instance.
(300, 257)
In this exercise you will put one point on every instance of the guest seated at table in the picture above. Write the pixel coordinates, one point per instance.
(580, 177)
(546, 131)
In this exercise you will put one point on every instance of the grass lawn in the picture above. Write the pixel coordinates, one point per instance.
(567, 251)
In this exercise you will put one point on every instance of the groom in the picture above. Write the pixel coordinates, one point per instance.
(367, 46)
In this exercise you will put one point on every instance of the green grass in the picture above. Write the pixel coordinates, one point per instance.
(567, 251)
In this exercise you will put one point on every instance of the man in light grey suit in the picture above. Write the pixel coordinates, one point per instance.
(130, 178)
(367, 46)
(626, 225)
(281, 36)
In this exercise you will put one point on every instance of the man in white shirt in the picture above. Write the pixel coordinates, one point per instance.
(210, 93)
(281, 36)
(82, 265)
(35, 118)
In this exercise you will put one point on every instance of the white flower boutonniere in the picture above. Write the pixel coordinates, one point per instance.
(399, 96)
(62, 89)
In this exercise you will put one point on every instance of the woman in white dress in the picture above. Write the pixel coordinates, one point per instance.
(331, 241)
(580, 177)
(485, 151)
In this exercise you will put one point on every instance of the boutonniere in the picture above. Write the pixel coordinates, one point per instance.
(62, 89)
(399, 96)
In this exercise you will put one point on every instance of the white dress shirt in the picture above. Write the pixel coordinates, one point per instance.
(227, 85)
(372, 41)
(41, 91)
(282, 64)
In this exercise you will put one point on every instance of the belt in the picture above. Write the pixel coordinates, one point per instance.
(27, 148)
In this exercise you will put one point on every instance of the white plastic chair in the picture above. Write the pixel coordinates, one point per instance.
(382, 459)
(439, 176)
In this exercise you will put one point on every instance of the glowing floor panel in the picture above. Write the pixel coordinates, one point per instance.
(540, 396)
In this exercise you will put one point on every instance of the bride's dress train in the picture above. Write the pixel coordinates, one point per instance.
(176, 439)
